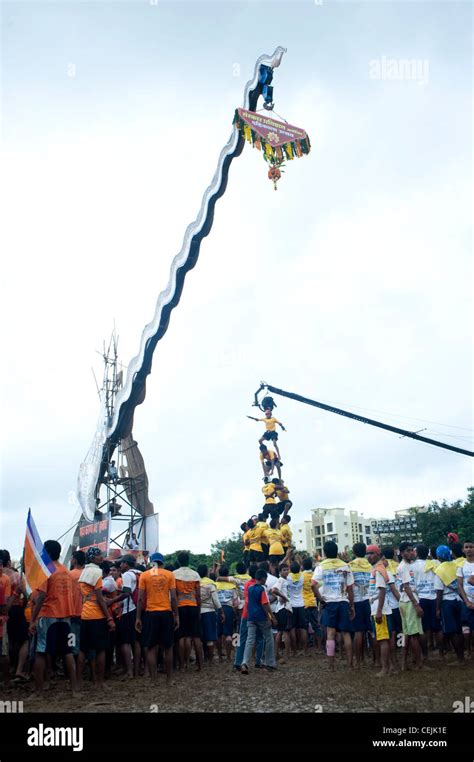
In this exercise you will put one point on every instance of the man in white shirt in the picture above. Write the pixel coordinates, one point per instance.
(448, 601)
(465, 580)
(283, 611)
(333, 584)
(424, 569)
(126, 633)
(410, 609)
(379, 582)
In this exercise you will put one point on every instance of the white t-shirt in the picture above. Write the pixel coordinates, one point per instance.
(282, 586)
(109, 584)
(269, 585)
(464, 572)
(406, 574)
(424, 580)
(376, 583)
(129, 579)
(333, 583)
(295, 590)
(361, 585)
(450, 592)
(392, 601)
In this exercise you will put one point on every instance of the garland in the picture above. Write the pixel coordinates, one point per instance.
(272, 155)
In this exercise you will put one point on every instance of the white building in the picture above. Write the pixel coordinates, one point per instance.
(302, 536)
(343, 527)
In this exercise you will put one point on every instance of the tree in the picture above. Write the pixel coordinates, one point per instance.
(439, 519)
(195, 559)
(232, 548)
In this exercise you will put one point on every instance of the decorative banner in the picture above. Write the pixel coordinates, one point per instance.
(277, 140)
(94, 534)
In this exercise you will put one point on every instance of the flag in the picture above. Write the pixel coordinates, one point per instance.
(37, 563)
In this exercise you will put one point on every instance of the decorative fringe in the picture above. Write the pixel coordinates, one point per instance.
(273, 155)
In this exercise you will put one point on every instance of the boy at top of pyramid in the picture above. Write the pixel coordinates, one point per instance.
(270, 429)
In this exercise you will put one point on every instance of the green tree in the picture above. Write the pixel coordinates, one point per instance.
(232, 547)
(195, 559)
(441, 518)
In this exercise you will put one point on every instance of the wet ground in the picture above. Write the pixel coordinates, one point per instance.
(303, 684)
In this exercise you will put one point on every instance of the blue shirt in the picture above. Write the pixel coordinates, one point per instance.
(257, 596)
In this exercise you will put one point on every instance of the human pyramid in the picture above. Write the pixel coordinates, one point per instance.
(262, 540)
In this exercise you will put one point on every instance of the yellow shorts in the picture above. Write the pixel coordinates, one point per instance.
(383, 630)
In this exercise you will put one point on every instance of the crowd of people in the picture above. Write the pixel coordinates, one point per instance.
(388, 607)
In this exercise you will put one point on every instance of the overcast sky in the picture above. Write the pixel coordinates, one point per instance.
(352, 284)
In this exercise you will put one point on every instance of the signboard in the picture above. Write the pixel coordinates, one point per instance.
(276, 133)
(140, 556)
(94, 534)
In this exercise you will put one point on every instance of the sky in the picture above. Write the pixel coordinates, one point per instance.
(352, 284)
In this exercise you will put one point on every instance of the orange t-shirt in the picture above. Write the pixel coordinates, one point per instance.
(59, 601)
(157, 584)
(90, 608)
(15, 579)
(6, 585)
(76, 591)
(188, 585)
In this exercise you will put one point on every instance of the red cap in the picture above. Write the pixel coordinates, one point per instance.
(374, 549)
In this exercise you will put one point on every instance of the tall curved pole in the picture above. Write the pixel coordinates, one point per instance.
(110, 432)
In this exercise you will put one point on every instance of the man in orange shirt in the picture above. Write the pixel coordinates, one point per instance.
(96, 619)
(51, 619)
(157, 597)
(78, 561)
(5, 591)
(188, 593)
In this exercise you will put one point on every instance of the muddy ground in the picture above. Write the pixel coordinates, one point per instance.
(303, 684)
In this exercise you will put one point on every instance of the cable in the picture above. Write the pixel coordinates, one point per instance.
(363, 419)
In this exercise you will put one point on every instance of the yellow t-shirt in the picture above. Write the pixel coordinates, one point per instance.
(269, 490)
(255, 537)
(264, 527)
(286, 535)
(273, 539)
(269, 456)
(245, 537)
(270, 423)
(282, 493)
(308, 596)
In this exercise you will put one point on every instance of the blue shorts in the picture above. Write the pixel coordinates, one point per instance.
(209, 627)
(397, 620)
(467, 617)
(429, 621)
(226, 628)
(451, 614)
(361, 621)
(336, 614)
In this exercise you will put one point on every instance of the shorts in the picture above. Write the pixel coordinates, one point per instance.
(126, 632)
(271, 436)
(451, 614)
(382, 631)
(284, 620)
(94, 635)
(53, 636)
(265, 549)
(189, 624)
(336, 615)
(397, 621)
(17, 626)
(276, 560)
(429, 620)
(282, 505)
(312, 619)
(245, 558)
(158, 629)
(226, 627)
(299, 618)
(255, 556)
(411, 622)
(209, 627)
(362, 619)
(76, 631)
